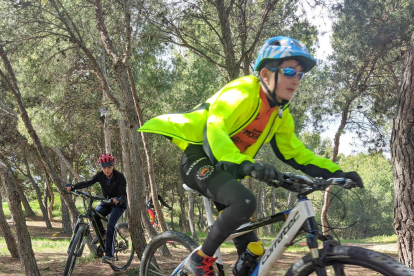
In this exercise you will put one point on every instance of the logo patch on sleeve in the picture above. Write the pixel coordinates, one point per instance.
(204, 172)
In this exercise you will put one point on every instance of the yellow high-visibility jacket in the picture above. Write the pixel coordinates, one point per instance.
(229, 111)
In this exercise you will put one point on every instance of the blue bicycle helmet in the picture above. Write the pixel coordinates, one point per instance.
(282, 47)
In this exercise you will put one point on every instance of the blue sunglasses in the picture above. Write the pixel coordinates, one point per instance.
(287, 72)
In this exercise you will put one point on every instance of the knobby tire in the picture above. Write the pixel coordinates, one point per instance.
(351, 260)
(73, 251)
(165, 252)
(124, 252)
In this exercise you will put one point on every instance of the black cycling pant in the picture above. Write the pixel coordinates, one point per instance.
(238, 202)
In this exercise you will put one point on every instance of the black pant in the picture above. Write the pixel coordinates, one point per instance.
(238, 202)
(116, 213)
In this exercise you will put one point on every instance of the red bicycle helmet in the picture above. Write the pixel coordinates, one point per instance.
(106, 160)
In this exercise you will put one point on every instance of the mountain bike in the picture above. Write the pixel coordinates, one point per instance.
(124, 252)
(160, 258)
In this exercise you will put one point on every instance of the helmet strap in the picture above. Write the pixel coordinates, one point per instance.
(273, 102)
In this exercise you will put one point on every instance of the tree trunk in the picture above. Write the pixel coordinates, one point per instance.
(127, 169)
(266, 229)
(124, 146)
(227, 40)
(402, 155)
(107, 133)
(126, 85)
(46, 195)
(105, 112)
(38, 192)
(26, 205)
(125, 154)
(11, 83)
(24, 244)
(191, 214)
(200, 223)
(273, 208)
(136, 198)
(183, 222)
(172, 213)
(51, 194)
(66, 225)
(260, 204)
(68, 165)
(6, 231)
(325, 207)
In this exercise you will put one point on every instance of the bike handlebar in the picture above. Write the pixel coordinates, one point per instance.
(306, 185)
(84, 194)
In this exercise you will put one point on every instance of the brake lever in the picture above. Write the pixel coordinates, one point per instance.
(349, 184)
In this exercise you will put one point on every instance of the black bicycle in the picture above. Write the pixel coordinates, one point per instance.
(124, 252)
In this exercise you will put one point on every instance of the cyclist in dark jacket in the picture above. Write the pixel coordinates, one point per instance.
(113, 186)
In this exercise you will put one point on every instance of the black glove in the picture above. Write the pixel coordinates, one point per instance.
(354, 176)
(69, 186)
(261, 171)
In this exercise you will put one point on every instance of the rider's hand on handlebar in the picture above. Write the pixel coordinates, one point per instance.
(354, 176)
(69, 187)
(261, 171)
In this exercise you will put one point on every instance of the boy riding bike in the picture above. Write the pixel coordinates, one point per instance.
(113, 186)
(221, 137)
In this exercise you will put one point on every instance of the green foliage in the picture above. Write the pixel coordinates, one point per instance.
(228, 37)
(63, 96)
(312, 141)
(369, 41)
(372, 206)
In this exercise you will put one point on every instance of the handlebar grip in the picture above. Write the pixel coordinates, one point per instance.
(349, 184)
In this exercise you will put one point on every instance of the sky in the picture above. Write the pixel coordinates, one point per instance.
(319, 19)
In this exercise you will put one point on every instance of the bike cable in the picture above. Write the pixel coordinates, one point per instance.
(336, 195)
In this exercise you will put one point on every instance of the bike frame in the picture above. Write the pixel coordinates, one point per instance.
(302, 214)
(90, 211)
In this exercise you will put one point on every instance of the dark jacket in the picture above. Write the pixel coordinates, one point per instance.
(114, 187)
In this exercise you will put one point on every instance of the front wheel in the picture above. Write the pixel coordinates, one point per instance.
(74, 250)
(351, 260)
(165, 254)
(124, 252)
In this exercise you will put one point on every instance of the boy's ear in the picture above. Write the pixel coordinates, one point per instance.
(264, 73)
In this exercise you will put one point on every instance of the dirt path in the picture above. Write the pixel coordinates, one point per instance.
(52, 264)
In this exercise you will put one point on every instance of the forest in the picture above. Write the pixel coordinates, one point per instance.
(79, 77)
